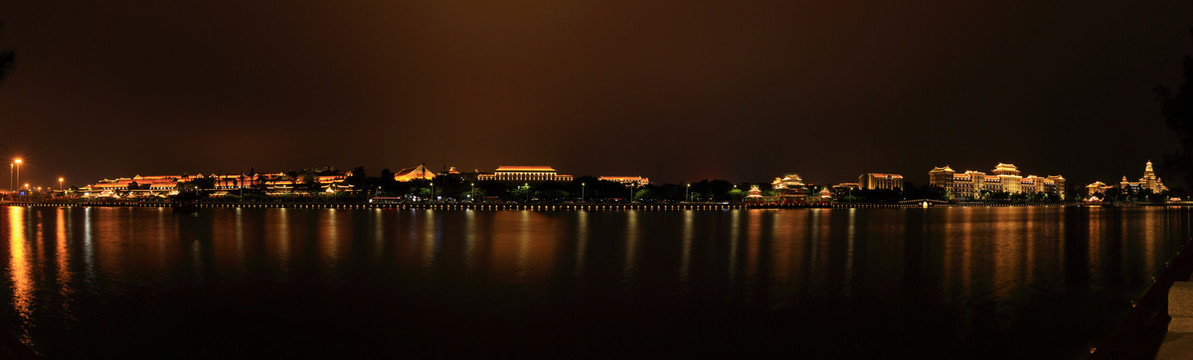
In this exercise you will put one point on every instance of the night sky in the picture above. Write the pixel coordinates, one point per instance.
(676, 91)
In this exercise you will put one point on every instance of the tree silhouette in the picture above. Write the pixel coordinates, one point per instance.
(1177, 110)
(7, 58)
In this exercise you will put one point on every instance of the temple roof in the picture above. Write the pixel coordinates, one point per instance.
(413, 173)
(524, 168)
(615, 178)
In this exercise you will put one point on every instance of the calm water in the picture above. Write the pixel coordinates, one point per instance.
(943, 282)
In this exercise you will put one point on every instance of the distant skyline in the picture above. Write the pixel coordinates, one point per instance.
(677, 92)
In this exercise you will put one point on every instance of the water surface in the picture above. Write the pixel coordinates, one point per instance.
(1040, 282)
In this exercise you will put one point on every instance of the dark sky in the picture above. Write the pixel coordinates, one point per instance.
(675, 91)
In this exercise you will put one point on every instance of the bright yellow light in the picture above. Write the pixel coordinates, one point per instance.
(18, 161)
(60, 179)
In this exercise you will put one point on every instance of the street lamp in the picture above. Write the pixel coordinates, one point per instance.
(582, 187)
(472, 196)
(527, 192)
(18, 162)
(60, 180)
(432, 190)
(686, 197)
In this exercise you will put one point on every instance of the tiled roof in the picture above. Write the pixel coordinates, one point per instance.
(525, 168)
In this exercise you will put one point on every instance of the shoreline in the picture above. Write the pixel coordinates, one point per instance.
(537, 207)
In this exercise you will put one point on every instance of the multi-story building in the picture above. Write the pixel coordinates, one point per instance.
(941, 177)
(755, 193)
(963, 184)
(1055, 186)
(790, 185)
(1006, 178)
(1097, 187)
(1008, 175)
(628, 180)
(845, 189)
(524, 174)
(1149, 181)
(160, 185)
(880, 181)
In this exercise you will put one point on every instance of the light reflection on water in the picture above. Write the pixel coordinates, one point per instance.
(944, 282)
(18, 271)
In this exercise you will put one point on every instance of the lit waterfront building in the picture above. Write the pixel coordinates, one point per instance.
(754, 193)
(525, 174)
(1149, 181)
(163, 185)
(843, 189)
(414, 173)
(628, 180)
(941, 177)
(1096, 188)
(847, 186)
(880, 181)
(790, 185)
(1006, 178)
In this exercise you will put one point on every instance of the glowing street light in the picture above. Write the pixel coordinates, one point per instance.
(472, 196)
(527, 192)
(18, 162)
(582, 186)
(60, 180)
(686, 197)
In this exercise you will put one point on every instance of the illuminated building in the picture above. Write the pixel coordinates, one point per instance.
(879, 181)
(525, 174)
(847, 186)
(754, 193)
(1057, 185)
(790, 185)
(1096, 187)
(1006, 178)
(941, 177)
(1008, 175)
(162, 185)
(628, 180)
(150, 185)
(963, 185)
(1149, 181)
(414, 173)
(843, 189)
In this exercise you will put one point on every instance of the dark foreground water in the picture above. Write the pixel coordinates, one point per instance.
(937, 283)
